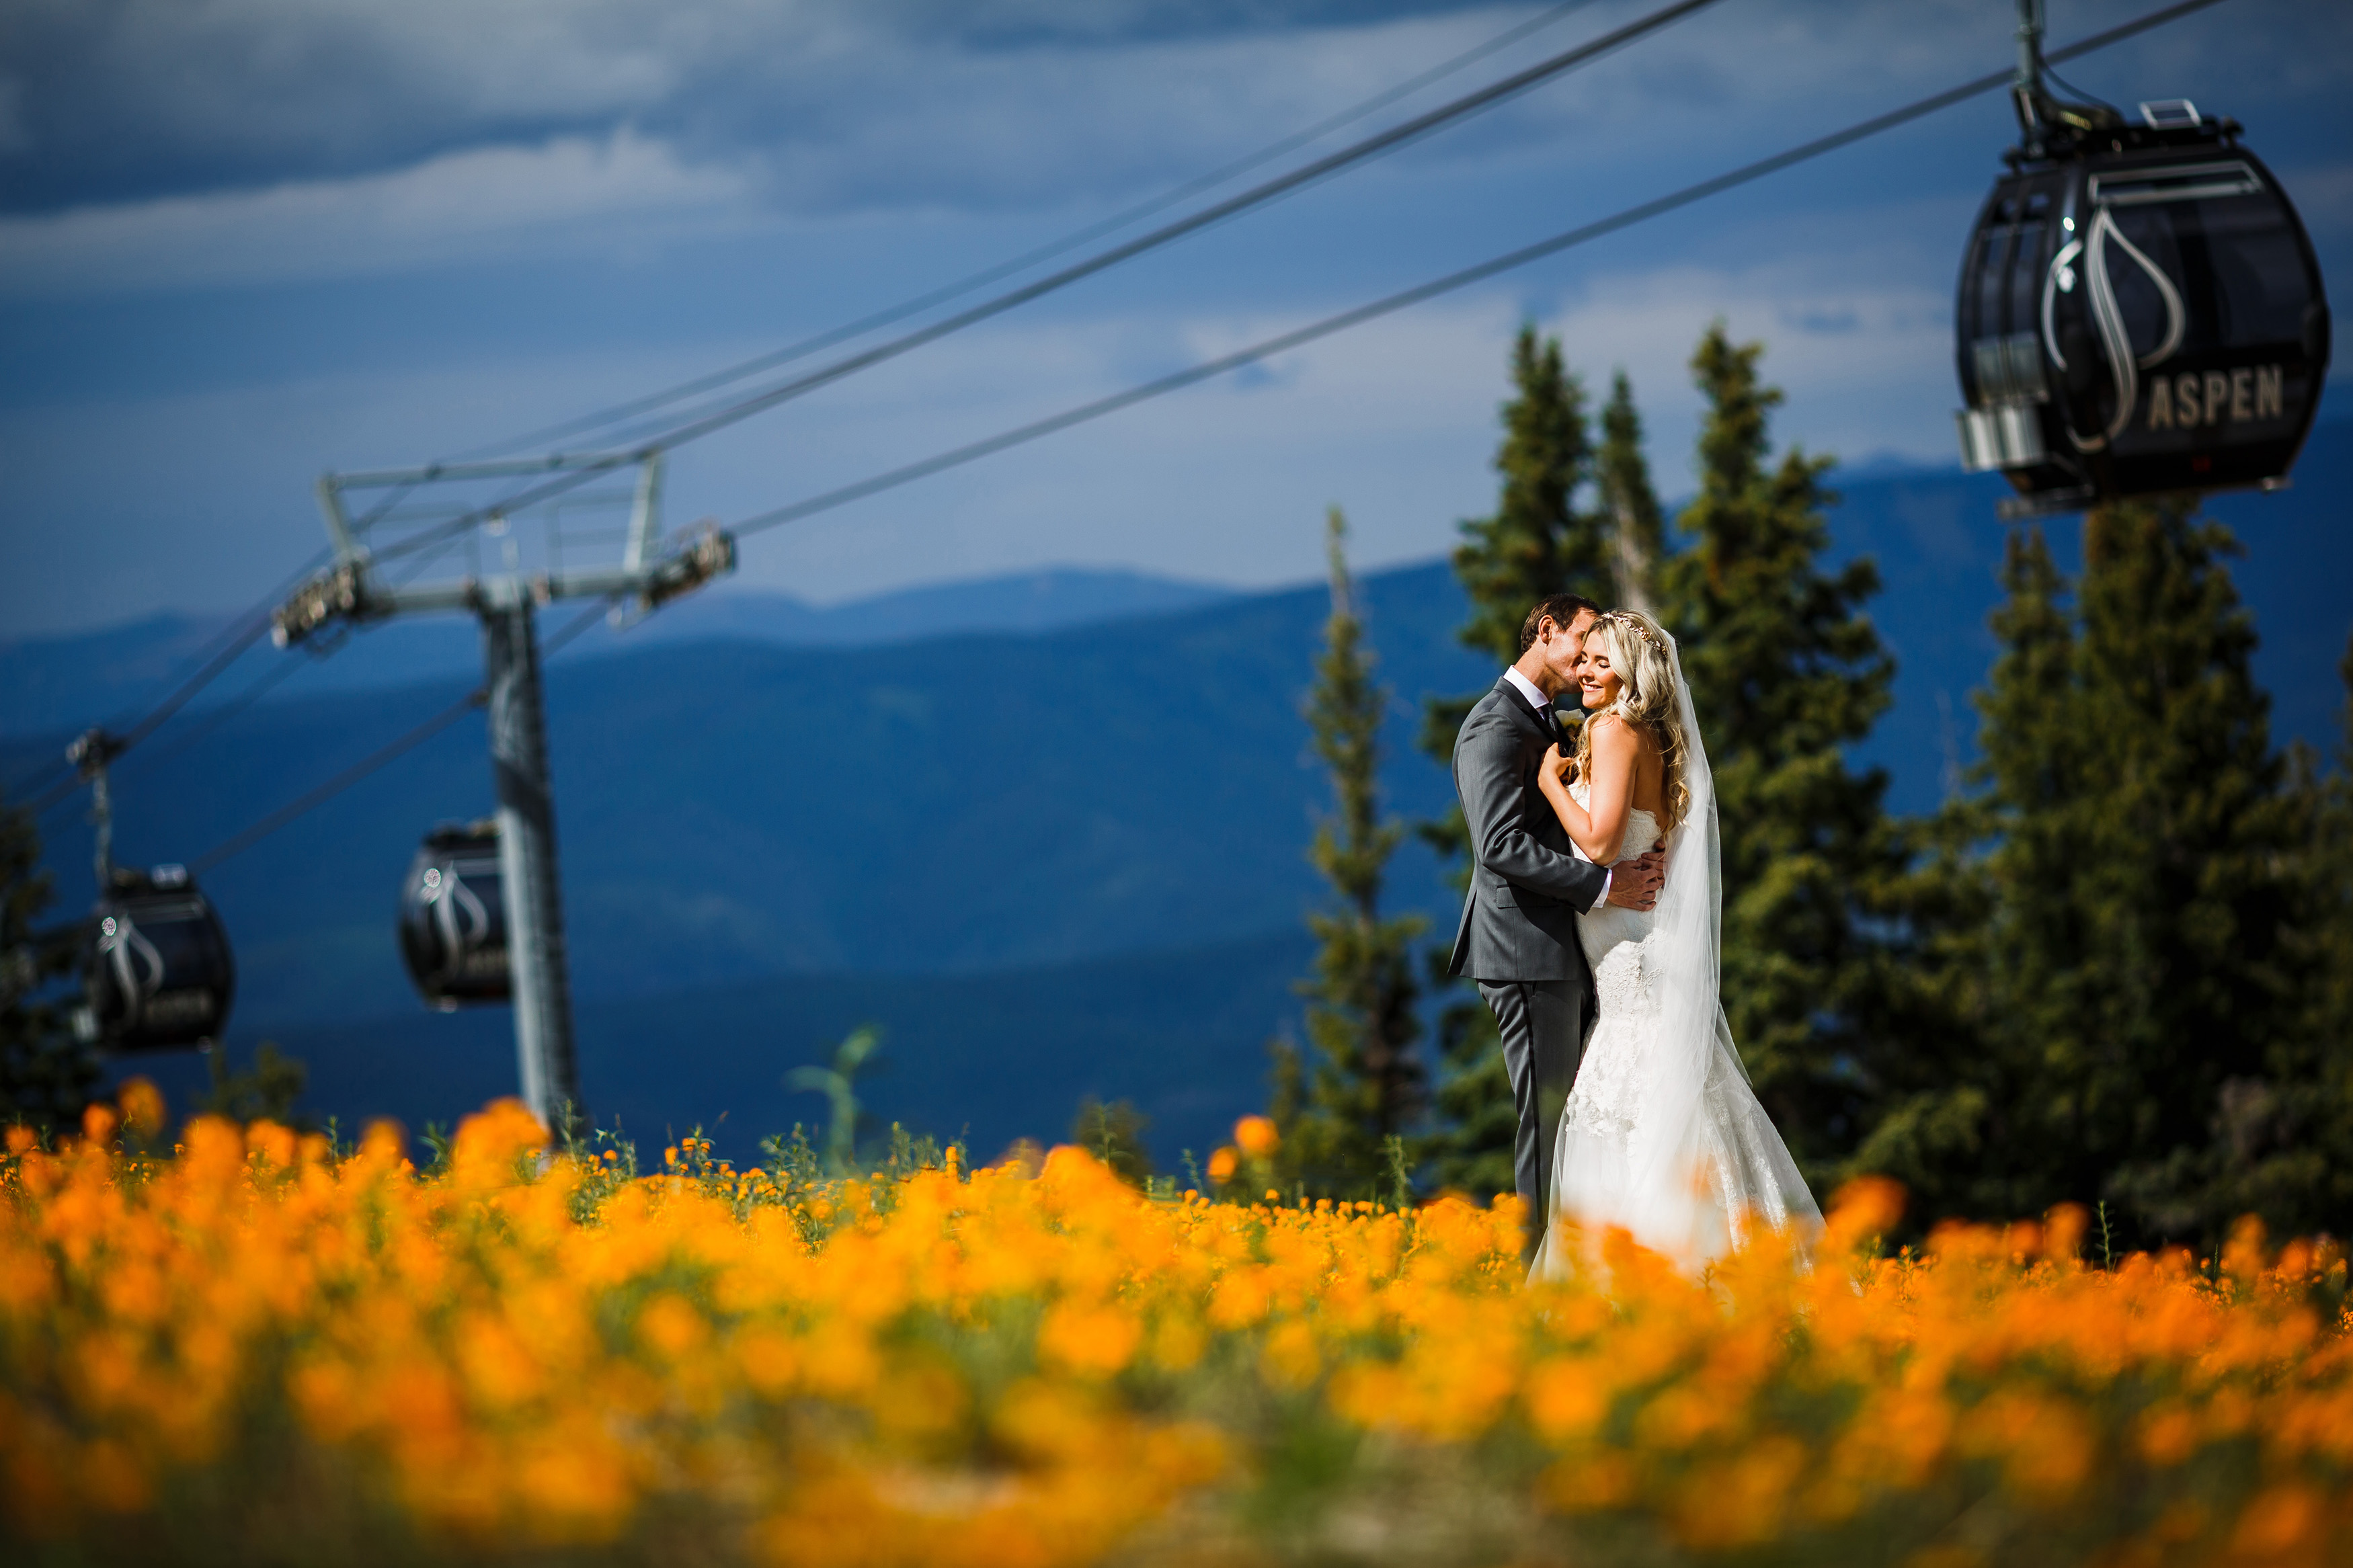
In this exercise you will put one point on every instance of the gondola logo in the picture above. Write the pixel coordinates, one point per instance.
(463, 920)
(129, 953)
(2192, 398)
(2108, 318)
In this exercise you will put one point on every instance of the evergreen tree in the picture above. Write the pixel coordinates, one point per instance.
(1363, 1083)
(46, 1076)
(1949, 1099)
(1538, 542)
(1786, 672)
(2139, 981)
(2294, 1166)
(1114, 1133)
(1637, 536)
(2188, 1036)
(270, 1089)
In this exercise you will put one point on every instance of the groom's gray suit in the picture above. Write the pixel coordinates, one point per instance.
(1518, 937)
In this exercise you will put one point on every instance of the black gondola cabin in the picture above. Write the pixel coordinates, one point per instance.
(453, 921)
(159, 974)
(2140, 310)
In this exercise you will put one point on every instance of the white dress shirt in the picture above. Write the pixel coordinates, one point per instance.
(1543, 705)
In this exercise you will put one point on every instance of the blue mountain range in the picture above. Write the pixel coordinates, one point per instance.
(1055, 847)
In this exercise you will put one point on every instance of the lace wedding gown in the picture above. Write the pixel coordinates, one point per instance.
(1687, 1180)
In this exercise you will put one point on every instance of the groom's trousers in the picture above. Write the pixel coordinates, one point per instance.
(1541, 1025)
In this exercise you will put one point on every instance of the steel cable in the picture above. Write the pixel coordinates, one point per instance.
(1208, 369)
(996, 272)
(1257, 195)
(238, 843)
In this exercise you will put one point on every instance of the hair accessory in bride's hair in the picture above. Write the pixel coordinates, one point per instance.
(1642, 654)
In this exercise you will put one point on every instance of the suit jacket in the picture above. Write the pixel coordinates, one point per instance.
(1528, 886)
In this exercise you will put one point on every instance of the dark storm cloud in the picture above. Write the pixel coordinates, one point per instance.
(109, 101)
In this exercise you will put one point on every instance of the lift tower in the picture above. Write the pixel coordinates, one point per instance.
(652, 570)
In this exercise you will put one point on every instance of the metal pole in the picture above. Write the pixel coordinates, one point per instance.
(534, 910)
(2026, 88)
(92, 751)
(102, 813)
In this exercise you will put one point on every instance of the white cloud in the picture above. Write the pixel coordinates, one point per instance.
(863, 104)
(566, 193)
(1397, 421)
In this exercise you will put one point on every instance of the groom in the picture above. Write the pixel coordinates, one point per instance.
(1518, 937)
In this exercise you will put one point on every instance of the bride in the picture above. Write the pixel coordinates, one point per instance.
(1663, 1134)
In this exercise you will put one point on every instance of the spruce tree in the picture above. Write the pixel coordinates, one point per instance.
(1786, 672)
(2278, 1131)
(2139, 989)
(1949, 1096)
(2298, 1171)
(2188, 879)
(1638, 537)
(1362, 1083)
(1539, 541)
(46, 1075)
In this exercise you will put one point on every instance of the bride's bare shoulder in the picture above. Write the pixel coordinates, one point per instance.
(1612, 733)
(1617, 733)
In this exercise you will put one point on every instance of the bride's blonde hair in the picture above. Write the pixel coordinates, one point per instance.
(1637, 651)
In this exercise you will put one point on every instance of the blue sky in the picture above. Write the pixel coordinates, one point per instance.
(247, 240)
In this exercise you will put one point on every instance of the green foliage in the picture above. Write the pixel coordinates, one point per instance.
(1539, 541)
(839, 1084)
(1365, 1080)
(792, 1156)
(268, 1090)
(2157, 896)
(1786, 672)
(1622, 474)
(1114, 1133)
(46, 1075)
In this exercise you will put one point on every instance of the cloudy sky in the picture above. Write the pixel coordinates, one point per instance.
(243, 241)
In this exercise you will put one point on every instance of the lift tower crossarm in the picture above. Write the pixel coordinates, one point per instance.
(351, 592)
(503, 469)
(651, 572)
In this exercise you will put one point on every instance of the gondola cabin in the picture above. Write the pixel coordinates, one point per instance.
(453, 921)
(2140, 310)
(159, 974)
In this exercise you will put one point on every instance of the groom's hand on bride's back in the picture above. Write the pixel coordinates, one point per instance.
(1634, 884)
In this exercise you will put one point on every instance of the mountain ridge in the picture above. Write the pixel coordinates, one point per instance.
(859, 822)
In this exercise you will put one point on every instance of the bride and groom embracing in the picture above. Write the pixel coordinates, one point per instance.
(1592, 928)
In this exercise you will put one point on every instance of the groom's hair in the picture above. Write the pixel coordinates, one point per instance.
(1563, 610)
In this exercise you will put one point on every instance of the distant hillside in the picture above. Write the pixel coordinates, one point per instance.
(72, 681)
(763, 842)
(730, 810)
(991, 1057)
(1939, 547)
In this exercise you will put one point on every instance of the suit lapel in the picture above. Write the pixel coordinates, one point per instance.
(1530, 718)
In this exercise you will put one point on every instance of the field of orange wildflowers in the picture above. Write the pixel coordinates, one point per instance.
(250, 1346)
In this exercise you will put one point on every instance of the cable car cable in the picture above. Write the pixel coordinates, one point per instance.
(957, 457)
(217, 655)
(891, 315)
(238, 843)
(220, 661)
(268, 681)
(1257, 195)
(1021, 435)
(2091, 98)
(242, 841)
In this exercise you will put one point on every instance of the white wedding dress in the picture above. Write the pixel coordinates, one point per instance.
(1663, 1135)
